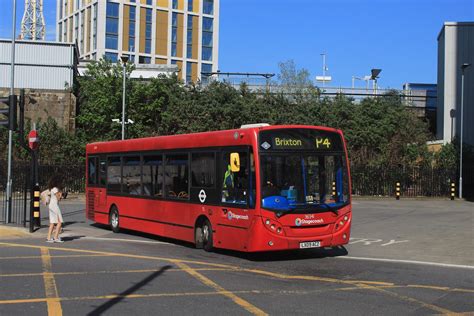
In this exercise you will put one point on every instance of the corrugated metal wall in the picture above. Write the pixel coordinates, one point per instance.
(38, 65)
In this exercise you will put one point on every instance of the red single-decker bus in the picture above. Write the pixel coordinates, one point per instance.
(257, 188)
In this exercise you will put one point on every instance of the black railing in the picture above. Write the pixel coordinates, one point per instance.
(414, 181)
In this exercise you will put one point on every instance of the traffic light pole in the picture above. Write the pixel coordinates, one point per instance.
(10, 131)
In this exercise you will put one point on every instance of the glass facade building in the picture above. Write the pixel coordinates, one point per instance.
(179, 32)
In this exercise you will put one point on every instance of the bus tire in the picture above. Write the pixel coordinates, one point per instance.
(114, 220)
(207, 238)
(198, 237)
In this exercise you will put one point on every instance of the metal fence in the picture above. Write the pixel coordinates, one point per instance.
(414, 181)
(73, 178)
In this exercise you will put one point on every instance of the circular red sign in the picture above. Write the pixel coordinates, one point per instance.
(33, 139)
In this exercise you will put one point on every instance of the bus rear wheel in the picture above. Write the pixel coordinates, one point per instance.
(114, 220)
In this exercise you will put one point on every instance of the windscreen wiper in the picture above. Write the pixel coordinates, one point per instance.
(330, 208)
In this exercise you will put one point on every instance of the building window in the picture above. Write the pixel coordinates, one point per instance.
(81, 45)
(190, 5)
(207, 36)
(149, 2)
(144, 60)
(60, 32)
(208, 7)
(60, 10)
(76, 27)
(112, 57)
(94, 31)
(189, 50)
(206, 69)
(131, 29)
(174, 35)
(148, 27)
(175, 4)
(112, 25)
(189, 72)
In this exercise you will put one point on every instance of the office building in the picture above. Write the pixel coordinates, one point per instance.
(167, 32)
(455, 47)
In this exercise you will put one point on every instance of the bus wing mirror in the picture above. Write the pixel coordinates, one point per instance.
(234, 162)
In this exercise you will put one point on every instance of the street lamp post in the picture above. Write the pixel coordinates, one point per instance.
(463, 67)
(124, 59)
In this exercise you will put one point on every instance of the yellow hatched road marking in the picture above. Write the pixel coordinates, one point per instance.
(361, 284)
(52, 297)
(239, 301)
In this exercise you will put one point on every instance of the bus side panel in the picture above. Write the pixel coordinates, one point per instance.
(155, 217)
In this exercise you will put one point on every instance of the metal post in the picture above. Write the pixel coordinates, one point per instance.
(463, 66)
(123, 104)
(10, 132)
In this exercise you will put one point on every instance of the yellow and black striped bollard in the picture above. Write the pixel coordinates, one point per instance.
(397, 192)
(36, 207)
(453, 190)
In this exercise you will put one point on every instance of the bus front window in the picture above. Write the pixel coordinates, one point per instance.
(305, 180)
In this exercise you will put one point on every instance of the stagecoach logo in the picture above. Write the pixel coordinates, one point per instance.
(231, 215)
(202, 196)
(266, 145)
(299, 221)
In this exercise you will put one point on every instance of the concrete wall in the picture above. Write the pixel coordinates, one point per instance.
(41, 104)
(455, 47)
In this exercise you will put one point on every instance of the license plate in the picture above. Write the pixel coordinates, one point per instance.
(310, 244)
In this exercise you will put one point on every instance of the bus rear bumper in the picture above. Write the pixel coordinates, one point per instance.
(264, 240)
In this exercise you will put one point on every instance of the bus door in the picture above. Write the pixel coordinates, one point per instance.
(237, 174)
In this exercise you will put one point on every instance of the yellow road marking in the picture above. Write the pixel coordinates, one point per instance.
(410, 299)
(359, 283)
(58, 256)
(239, 301)
(107, 272)
(52, 297)
(129, 296)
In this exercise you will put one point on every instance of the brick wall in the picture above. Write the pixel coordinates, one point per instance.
(41, 104)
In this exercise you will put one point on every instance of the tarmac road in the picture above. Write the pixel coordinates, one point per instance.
(405, 257)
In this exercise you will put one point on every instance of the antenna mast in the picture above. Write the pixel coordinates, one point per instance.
(32, 24)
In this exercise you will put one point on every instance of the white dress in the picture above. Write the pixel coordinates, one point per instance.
(55, 215)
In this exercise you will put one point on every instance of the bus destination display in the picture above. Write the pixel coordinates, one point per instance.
(300, 139)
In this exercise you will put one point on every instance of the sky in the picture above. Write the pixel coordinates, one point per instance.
(397, 36)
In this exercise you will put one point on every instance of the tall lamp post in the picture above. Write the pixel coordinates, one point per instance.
(124, 59)
(463, 67)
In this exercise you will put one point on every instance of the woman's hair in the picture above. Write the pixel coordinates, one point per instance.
(55, 181)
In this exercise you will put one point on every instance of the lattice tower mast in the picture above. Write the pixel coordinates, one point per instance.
(32, 24)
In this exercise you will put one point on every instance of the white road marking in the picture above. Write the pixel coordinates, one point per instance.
(437, 264)
(392, 241)
(130, 240)
(370, 241)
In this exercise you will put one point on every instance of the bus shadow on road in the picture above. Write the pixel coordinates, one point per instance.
(298, 254)
(287, 255)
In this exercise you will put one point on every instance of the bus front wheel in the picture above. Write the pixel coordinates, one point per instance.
(114, 220)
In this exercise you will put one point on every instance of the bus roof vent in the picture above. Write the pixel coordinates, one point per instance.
(254, 125)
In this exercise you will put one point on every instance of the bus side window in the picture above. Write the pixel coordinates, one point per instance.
(102, 171)
(92, 171)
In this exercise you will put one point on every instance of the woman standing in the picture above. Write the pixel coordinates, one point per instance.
(55, 216)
